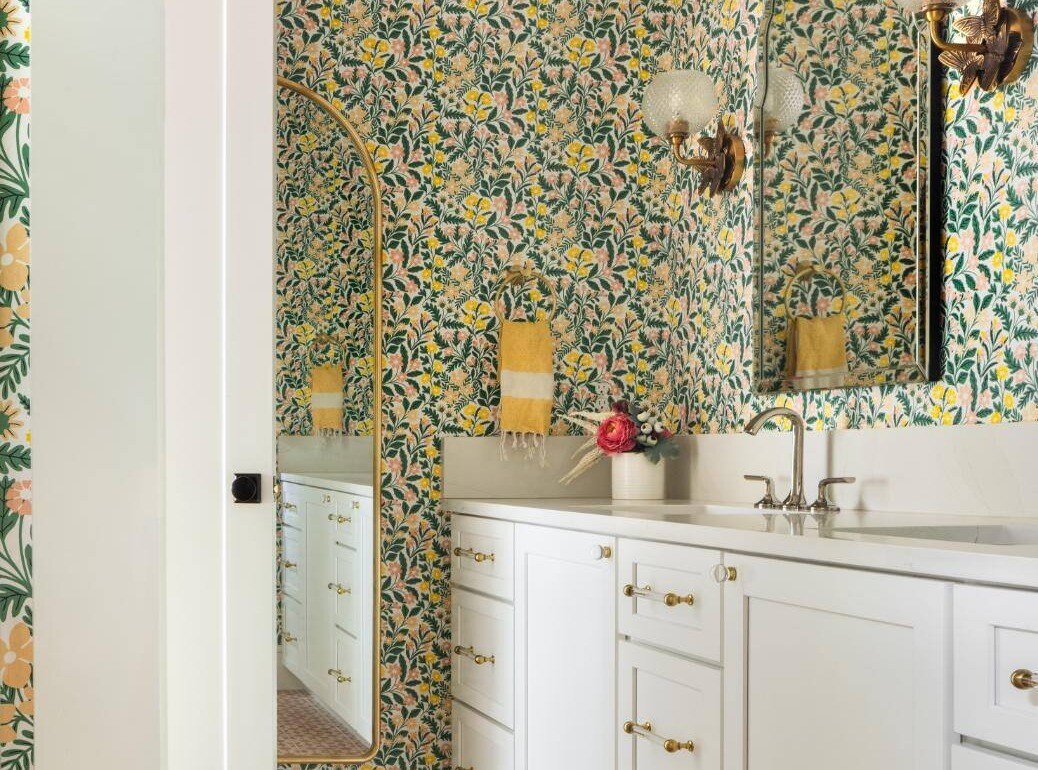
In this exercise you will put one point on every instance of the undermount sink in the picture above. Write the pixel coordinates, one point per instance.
(983, 534)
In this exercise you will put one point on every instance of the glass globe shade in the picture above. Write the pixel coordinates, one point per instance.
(685, 95)
(784, 99)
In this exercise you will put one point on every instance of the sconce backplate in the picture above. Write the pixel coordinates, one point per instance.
(725, 154)
(1006, 36)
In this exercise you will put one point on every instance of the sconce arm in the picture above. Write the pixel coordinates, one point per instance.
(677, 144)
(935, 16)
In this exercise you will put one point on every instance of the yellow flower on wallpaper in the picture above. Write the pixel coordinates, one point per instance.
(14, 258)
(581, 51)
(579, 261)
(579, 155)
(478, 104)
(374, 52)
(476, 209)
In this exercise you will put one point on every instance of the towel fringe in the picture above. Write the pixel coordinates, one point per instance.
(530, 446)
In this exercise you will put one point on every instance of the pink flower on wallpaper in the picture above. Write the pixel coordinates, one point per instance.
(16, 96)
(19, 498)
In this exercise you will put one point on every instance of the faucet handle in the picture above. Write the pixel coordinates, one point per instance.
(768, 501)
(823, 504)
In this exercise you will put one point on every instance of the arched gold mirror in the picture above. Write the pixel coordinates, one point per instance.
(327, 374)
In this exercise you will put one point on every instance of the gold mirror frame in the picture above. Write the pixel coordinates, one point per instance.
(376, 427)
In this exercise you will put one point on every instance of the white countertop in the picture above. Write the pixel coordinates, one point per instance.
(350, 483)
(742, 530)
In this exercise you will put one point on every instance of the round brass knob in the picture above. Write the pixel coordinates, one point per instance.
(289, 639)
(1024, 679)
(723, 574)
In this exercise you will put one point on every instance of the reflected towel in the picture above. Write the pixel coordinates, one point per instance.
(326, 400)
(816, 352)
(527, 383)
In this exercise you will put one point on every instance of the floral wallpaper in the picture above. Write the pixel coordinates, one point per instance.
(509, 130)
(16, 634)
(840, 185)
(324, 269)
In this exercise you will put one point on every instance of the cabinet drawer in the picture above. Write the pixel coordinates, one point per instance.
(666, 698)
(346, 590)
(996, 635)
(972, 758)
(669, 597)
(293, 562)
(483, 667)
(293, 508)
(293, 623)
(479, 743)
(349, 667)
(349, 517)
(482, 555)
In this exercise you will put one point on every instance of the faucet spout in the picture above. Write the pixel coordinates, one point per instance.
(796, 500)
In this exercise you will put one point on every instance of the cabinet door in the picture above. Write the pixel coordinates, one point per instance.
(319, 599)
(293, 643)
(479, 744)
(565, 631)
(833, 668)
(664, 698)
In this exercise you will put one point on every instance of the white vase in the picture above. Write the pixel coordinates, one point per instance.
(635, 478)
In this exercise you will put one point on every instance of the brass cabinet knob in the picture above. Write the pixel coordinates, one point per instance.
(334, 672)
(339, 589)
(669, 599)
(723, 574)
(356, 505)
(670, 745)
(1024, 679)
(291, 565)
(289, 639)
(343, 519)
(472, 655)
(600, 552)
(476, 556)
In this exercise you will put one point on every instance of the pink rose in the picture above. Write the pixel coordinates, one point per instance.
(617, 434)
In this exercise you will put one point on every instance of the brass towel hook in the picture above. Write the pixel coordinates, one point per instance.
(520, 277)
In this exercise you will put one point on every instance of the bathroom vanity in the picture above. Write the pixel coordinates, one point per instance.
(686, 636)
(327, 584)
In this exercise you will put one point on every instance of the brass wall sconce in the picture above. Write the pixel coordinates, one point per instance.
(678, 104)
(998, 42)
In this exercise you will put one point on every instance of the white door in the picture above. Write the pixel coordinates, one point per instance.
(565, 637)
(834, 668)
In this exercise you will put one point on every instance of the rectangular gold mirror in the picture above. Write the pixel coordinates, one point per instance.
(328, 407)
(847, 171)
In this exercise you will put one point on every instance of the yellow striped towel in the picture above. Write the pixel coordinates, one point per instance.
(527, 383)
(326, 407)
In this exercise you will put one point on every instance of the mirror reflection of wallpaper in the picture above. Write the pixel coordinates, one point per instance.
(840, 187)
(324, 266)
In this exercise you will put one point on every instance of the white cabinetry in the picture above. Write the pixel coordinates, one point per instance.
(833, 668)
(565, 633)
(327, 575)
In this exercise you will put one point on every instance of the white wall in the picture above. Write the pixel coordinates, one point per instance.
(97, 242)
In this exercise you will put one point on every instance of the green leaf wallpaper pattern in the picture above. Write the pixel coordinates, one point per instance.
(16, 634)
(510, 129)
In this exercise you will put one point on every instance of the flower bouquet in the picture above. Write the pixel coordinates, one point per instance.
(637, 441)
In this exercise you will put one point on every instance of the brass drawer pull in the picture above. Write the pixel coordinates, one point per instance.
(326, 498)
(339, 519)
(356, 505)
(670, 599)
(470, 653)
(338, 676)
(476, 556)
(339, 588)
(291, 565)
(289, 639)
(644, 730)
(459, 767)
(290, 506)
(1024, 679)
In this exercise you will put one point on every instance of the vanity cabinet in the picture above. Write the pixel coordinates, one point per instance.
(828, 667)
(631, 654)
(326, 570)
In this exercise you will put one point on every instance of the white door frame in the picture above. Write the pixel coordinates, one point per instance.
(219, 386)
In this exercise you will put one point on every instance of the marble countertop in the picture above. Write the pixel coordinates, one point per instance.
(998, 550)
(351, 483)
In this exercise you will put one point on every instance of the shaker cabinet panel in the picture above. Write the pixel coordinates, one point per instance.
(669, 711)
(669, 597)
(480, 744)
(565, 632)
(834, 668)
(996, 666)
